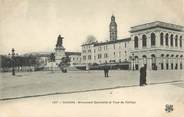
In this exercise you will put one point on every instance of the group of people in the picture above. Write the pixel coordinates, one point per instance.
(142, 74)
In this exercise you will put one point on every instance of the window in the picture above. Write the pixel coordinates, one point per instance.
(153, 39)
(171, 40)
(84, 51)
(89, 51)
(95, 57)
(89, 57)
(94, 50)
(161, 39)
(166, 39)
(176, 40)
(99, 56)
(180, 41)
(84, 57)
(162, 61)
(105, 55)
(136, 42)
(125, 45)
(144, 40)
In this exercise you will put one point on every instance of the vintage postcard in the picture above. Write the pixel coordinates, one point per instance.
(91, 58)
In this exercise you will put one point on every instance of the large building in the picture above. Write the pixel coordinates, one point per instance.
(158, 45)
(114, 50)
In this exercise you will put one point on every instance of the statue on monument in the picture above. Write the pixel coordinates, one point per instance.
(59, 41)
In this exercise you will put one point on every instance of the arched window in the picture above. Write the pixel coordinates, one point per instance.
(161, 39)
(167, 61)
(144, 41)
(171, 40)
(153, 62)
(144, 57)
(136, 62)
(171, 61)
(136, 42)
(176, 61)
(176, 41)
(181, 64)
(166, 40)
(180, 41)
(153, 39)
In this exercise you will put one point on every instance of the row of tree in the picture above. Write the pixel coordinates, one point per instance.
(19, 61)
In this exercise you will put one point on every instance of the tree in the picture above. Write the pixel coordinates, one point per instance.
(90, 39)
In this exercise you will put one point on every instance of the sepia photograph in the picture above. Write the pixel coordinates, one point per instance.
(91, 58)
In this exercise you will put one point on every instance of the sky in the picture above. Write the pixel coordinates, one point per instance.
(34, 25)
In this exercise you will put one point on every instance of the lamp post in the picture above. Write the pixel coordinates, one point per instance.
(12, 55)
(133, 60)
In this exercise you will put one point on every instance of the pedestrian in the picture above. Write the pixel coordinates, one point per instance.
(106, 70)
(141, 76)
(144, 75)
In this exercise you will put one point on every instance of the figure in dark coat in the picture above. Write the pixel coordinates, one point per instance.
(143, 76)
(106, 70)
(144, 80)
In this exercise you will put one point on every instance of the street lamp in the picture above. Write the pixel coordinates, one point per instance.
(12, 55)
(133, 60)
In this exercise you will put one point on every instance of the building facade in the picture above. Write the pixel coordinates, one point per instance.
(158, 45)
(112, 51)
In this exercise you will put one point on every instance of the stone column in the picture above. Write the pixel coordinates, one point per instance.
(174, 41)
(140, 41)
(157, 39)
(169, 42)
(148, 40)
(149, 64)
(158, 62)
(164, 40)
(169, 62)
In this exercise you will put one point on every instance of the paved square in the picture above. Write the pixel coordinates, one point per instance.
(46, 83)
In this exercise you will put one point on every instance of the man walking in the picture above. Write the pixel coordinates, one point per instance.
(144, 73)
(106, 70)
(143, 76)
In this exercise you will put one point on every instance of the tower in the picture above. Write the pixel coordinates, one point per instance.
(113, 29)
(59, 50)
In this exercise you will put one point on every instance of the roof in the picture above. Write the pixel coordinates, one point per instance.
(112, 42)
(108, 42)
(85, 44)
(155, 25)
(72, 53)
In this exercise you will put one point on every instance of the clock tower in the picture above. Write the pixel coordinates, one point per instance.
(113, 29)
